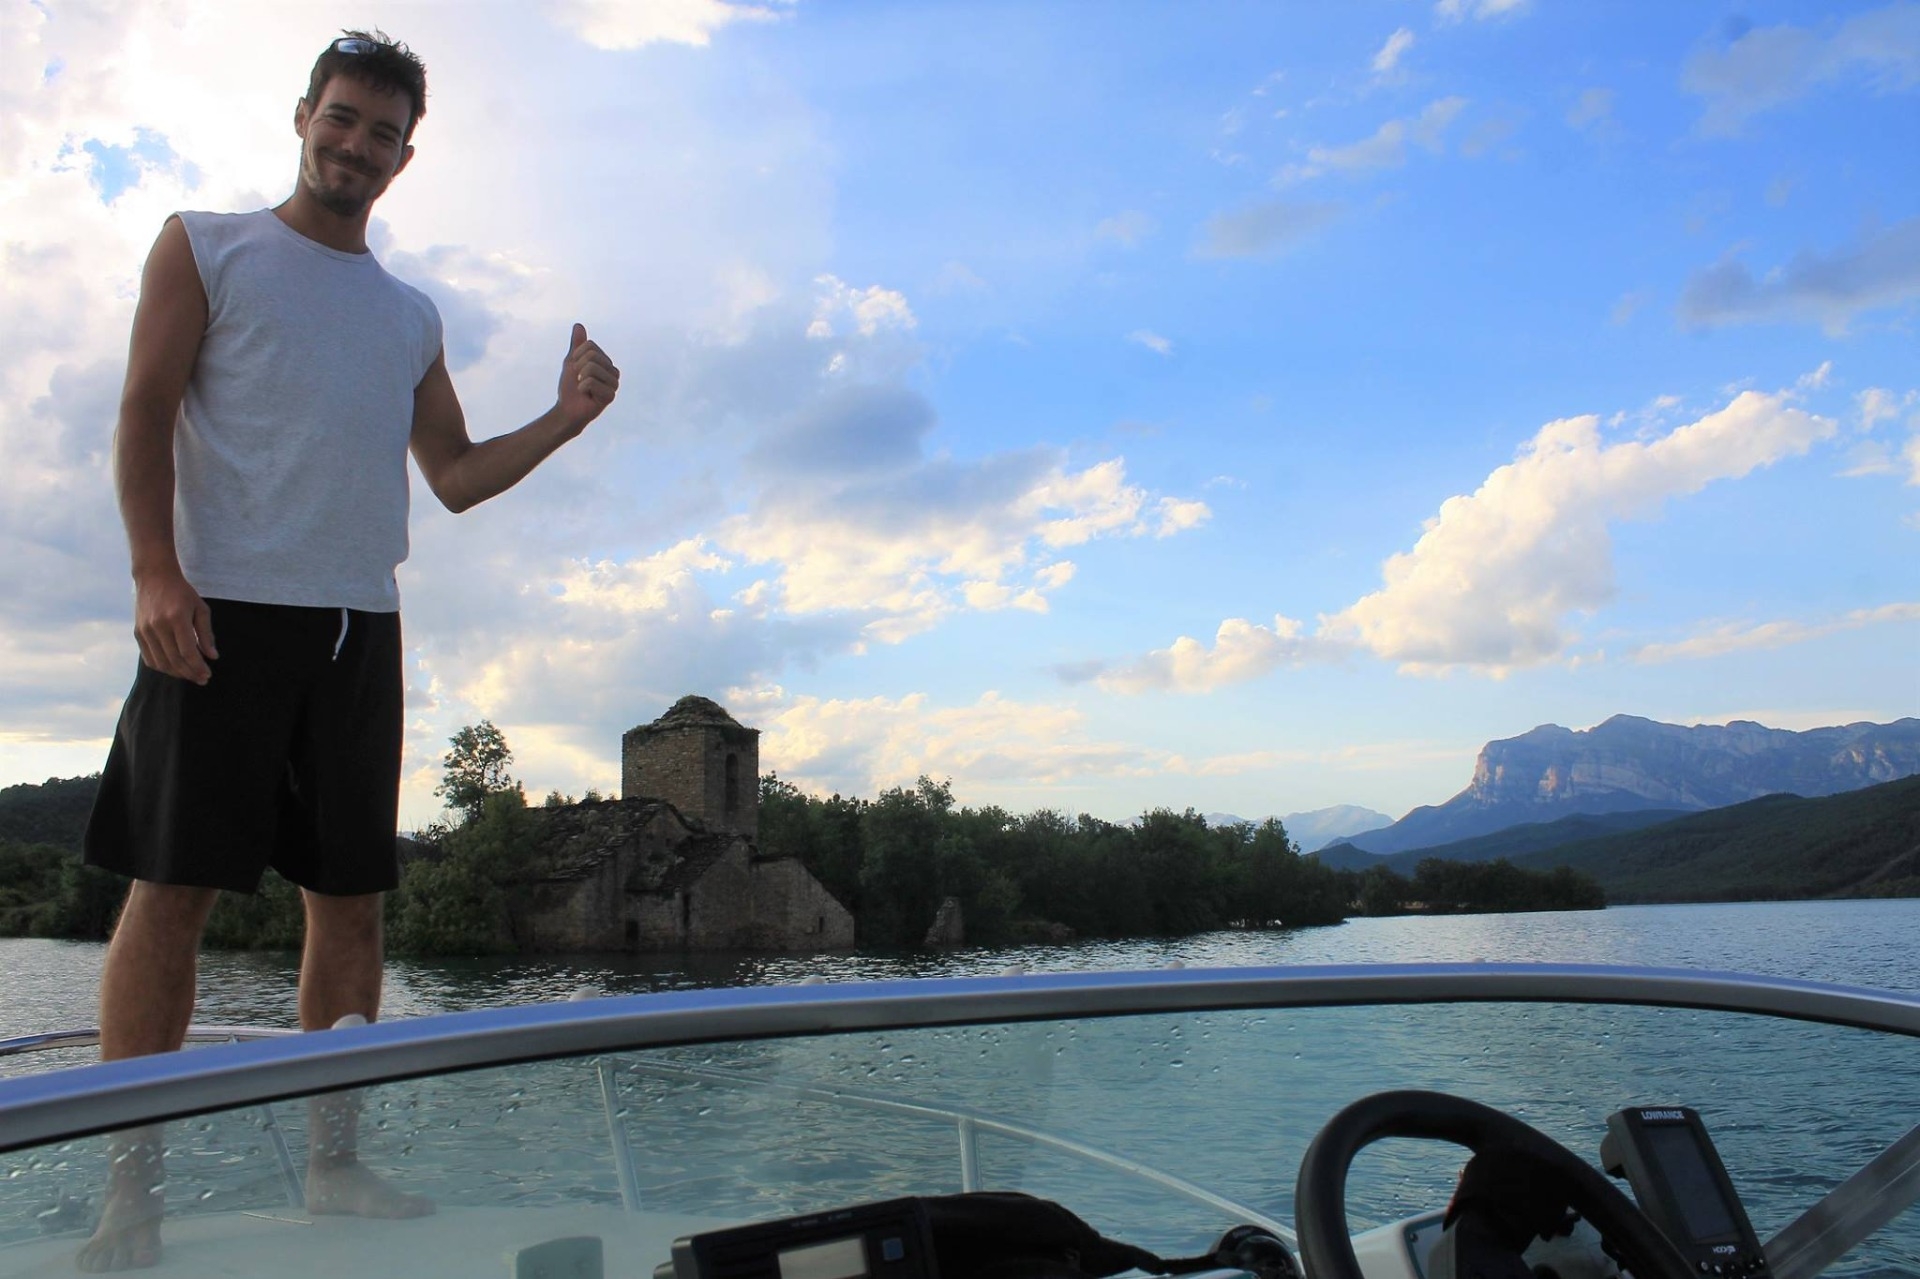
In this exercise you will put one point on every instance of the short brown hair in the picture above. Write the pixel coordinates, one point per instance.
(390, 66)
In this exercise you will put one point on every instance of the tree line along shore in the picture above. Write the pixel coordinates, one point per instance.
(1039, 876)
(891, 860)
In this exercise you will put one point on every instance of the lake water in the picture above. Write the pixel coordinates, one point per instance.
(1227, 1099)
(48, 985)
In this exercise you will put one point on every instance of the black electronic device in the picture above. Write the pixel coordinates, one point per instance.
(1677, 1177)
(887, 1240)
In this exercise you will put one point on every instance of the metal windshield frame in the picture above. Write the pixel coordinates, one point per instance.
(61, 1104)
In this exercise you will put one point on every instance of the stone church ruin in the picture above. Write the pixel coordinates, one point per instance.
(673, 864)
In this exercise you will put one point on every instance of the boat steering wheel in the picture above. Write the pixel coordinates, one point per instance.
(1326, 1245)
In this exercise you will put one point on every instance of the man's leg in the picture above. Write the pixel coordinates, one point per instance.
(344, 961)
(146, 1003)
(340, 975)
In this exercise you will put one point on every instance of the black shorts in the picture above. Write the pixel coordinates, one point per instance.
(289, 756)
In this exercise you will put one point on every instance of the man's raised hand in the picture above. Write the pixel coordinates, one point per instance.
(588, 380)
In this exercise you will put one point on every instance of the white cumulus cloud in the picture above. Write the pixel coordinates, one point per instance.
(869, 310)
(1499, 575)
(862, 745)
(630, 24)
(1241, 651)
(859, 746)
(903, 549)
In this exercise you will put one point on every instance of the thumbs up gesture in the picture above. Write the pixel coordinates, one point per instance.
(588, 381)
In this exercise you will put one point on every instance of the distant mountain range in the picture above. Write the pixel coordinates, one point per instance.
(1630, 765)
(1512, 843)
(1864, 843)
(1316, 829)
(1861, 843)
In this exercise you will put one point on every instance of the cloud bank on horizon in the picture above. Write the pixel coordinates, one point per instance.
(1447, 376)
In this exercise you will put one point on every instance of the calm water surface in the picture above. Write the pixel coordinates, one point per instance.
(47, 985)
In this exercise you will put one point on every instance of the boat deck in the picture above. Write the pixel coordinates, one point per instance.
(454, 1243)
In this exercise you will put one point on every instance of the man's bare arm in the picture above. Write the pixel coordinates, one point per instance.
(170, 620)
(463, 474)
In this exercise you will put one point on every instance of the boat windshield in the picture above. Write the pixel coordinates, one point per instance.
(1162, 1129)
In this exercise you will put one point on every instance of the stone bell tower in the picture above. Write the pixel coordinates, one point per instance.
(699, 759)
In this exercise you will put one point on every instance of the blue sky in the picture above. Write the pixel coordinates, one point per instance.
(1248, 407)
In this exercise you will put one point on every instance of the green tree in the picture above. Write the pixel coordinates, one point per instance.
(900, 888)
(476, 767)
(1382, 892)
(1111, 894)
(452, 901)
(1185, 870)
(1284, 888)
(1048, 870)
(89, 902)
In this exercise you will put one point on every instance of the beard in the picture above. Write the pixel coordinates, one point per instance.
(345, 203)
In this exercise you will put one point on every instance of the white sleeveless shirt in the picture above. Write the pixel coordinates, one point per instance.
(290, 455)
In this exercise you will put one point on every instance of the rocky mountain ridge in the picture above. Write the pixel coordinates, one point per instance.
(1628, 763)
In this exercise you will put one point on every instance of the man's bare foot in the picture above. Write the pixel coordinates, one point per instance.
(351, 1189)
(128, 1236)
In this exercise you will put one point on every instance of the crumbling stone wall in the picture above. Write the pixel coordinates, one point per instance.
(575, 895)
(637, 875)
(797, 906)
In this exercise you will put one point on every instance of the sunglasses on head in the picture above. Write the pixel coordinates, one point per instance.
(356, 45)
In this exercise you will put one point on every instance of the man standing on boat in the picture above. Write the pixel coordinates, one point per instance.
(276, 381)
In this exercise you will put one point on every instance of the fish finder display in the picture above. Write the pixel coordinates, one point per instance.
(1677, 1177)
(839, 1259)
(1701, 1204)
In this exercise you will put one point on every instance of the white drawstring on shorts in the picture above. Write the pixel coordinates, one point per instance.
(342, 641)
